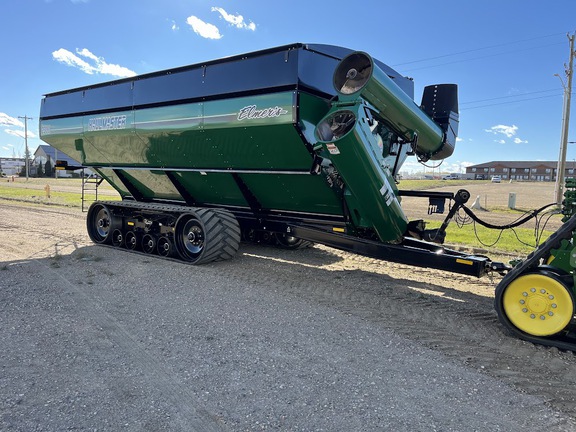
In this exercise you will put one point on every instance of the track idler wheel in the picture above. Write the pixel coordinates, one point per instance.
(537, 304)
(206, 235)
(131, 240)
(165, 247)
(117, 238)
(101, 223)
(149, 243)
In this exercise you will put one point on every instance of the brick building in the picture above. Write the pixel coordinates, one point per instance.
(520, 170)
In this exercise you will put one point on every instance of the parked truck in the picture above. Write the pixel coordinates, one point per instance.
(290, 145)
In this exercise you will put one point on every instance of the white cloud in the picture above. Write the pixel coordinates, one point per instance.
(99, 65)
(500, 141)
(19, 133)
(6, 120)
(509, 131)
(519, 141)
(204, 29)
(174, 26)
(235, 20)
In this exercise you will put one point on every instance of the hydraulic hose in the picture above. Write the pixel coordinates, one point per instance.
(519, 222)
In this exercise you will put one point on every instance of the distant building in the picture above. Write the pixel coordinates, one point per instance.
(544, 171)
(45, 152)
(11, 166)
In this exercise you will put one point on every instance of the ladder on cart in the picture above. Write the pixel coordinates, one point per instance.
(90, 185)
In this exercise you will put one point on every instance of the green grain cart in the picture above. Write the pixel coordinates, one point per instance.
(290, 145)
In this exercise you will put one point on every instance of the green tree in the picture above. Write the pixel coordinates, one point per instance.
(48, 167)
(39, 172)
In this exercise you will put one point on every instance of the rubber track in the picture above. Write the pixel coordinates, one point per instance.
(221, 227)
(222, 235)
(532, 261)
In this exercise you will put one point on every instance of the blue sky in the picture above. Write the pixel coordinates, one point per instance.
(502, 54)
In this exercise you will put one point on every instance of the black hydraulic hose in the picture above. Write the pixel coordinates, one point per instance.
(519, 222)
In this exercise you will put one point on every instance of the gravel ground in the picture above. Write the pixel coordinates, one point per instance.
(100, 339)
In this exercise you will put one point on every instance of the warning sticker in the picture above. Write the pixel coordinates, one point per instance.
(332, 148)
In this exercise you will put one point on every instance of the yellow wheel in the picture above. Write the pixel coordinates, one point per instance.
(538, 304)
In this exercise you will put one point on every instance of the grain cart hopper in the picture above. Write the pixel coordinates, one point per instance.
(290, 145)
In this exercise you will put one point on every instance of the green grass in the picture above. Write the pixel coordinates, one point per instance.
(32, 191)
(519, 240)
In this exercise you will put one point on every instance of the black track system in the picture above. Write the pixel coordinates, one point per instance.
(195, 235)
(565, 340)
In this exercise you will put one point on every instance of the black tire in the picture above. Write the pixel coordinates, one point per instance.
(165, 247)
(117, 238)
(132, 240)
(206, 235)
(286, 241)
(149, 243)
(101, 223)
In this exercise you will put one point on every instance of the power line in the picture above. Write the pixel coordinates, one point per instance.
(510, 102)
(476, 49)
(481, 57)
(509, 96)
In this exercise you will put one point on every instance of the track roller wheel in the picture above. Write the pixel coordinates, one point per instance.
(165, 247)
(117, 238)
(101, 223)
(149, 243)
(131, 240)
(286, 241)
(206, 235)
(537, 304)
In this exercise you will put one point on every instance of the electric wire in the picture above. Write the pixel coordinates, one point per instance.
(477, 49)
(509, 96)
(404, 71)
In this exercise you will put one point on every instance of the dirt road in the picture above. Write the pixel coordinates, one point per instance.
(95, 338)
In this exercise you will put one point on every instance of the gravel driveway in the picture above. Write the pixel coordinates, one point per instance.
(99, 339)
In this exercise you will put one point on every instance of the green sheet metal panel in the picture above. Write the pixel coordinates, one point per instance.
(212, 188)
(113, 179)
(302, 193)
(152, 184)
(65, 134)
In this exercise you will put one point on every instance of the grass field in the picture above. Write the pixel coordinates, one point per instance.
(64, 192)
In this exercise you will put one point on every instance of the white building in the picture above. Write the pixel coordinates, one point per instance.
(11, 166)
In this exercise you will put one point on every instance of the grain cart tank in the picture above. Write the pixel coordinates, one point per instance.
(294, 144)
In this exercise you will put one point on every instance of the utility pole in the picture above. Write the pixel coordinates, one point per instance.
(26, 118)
(565, 124)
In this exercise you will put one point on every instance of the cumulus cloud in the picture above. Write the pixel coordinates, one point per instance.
(19, 133)
(509, 131)
(6, 120)
(204, 29)
(90, 63)
(174, 26)
(235, 20)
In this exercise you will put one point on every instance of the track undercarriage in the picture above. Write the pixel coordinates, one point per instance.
(536, 298)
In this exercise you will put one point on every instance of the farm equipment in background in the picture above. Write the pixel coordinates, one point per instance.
(290, 145)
